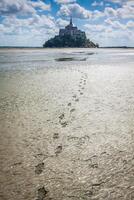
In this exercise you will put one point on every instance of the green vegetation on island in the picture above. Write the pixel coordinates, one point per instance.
(69, 41)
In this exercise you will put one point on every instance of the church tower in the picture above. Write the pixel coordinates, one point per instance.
(71, 21)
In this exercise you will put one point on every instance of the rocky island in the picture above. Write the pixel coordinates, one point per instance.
(71, 36)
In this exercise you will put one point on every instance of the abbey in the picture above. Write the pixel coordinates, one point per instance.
(72, 31)
(70, 36)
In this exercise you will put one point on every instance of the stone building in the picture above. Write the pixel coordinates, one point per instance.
(72, 31)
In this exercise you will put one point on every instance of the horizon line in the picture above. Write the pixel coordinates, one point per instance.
(123, 46)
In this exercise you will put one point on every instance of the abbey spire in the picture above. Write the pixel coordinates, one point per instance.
(71, 21)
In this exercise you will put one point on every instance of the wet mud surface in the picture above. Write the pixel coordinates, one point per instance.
(67, 59)
(67, 133)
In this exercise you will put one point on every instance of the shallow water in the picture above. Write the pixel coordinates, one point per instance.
(67, 124)
(37, 58)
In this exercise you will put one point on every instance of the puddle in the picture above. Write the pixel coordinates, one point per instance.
(90, 54)
(70, 59)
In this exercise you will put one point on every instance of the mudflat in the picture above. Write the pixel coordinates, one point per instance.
(67, 124)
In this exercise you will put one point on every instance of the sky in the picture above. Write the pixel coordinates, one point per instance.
(32, 22)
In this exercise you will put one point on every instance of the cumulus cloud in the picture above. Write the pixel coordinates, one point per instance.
(61, 23)
(32, 31)
(21, 7)
(124, 12)
(65, 1)
(115, 1)
(121, 2)
(95, 3)
(95, 27)
(110, 12)
(115, 24)
(111, 32)
(130, 24)
(96, 14)
(40, 4)
(36, 22)
(74, 10)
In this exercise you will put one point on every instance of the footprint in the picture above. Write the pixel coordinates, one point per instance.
(69, 104)
(74, 96)
(76, 100)
(61, 116)
(64, 124)
(95, 165)
(89, 193)
(94, 161)
(42, 192)
(58, 150)
(72, 110)
(55, 136)
(81, 93)
(17, 163)
(39, 168)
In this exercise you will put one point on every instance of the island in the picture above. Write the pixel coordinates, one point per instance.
(70, 36)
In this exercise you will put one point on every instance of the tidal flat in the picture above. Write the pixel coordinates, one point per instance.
(66, 124)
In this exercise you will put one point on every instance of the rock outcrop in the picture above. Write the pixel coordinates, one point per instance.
(70, 37)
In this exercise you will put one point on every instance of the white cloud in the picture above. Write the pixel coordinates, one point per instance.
(74, 10)
(40, 4)
(35, 22)
(121, 2)
(111, 32)
(96, 14)
(95, 3)
(94, 27)
(21, 7)
(130, 24)
(127, 11)
(65, 1)
(32, 31)
(61, 23)
(115, 1)
(115, 24)
(110, 12)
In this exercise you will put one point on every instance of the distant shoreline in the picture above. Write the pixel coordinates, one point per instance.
(19, 47)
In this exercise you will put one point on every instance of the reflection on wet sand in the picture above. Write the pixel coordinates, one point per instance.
(70, 59)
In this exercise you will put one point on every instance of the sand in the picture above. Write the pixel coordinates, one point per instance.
(67, 133)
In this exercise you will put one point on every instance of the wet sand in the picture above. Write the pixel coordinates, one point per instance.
(67, 133)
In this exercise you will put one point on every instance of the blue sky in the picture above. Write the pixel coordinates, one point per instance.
(32, 22)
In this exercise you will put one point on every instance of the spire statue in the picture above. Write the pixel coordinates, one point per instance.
(71, 21)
